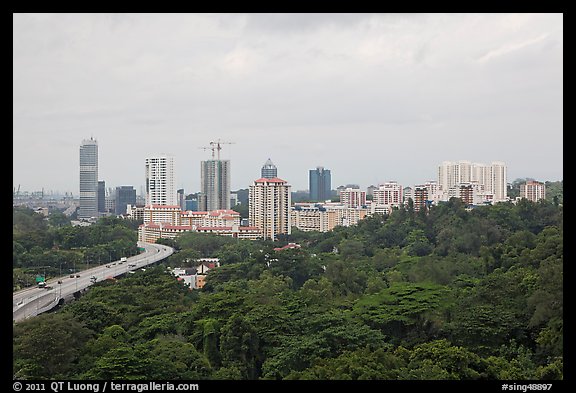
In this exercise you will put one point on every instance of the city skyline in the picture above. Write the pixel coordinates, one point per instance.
(397, 94)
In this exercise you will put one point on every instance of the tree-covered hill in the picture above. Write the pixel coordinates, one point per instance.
(445, 294)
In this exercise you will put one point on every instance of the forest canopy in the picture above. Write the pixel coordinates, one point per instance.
(447, 293)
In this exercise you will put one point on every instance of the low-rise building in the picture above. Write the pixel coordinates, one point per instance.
(313, 217)
(324, 217)
(168, 221)
(214, 218)
(195, 277)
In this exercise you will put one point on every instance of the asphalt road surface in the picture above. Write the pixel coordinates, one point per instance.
(33, 301)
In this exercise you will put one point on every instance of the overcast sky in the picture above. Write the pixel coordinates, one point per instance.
(372, 97)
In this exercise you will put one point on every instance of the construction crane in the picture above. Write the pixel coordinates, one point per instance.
(215, 146)
(206, 148)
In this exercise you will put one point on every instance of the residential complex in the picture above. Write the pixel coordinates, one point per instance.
(168, 221)
(326, 216)
(490, 179)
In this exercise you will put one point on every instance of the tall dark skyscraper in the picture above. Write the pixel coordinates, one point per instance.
(101, 196)
(320, 184)
(88, 179)
(125, 195)
(269, 170)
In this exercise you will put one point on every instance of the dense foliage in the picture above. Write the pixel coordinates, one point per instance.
(51, 246)
(443, 294)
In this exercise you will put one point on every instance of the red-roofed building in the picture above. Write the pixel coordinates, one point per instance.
(288, 246)
(215, 218)
(168, 221)
(270, 180)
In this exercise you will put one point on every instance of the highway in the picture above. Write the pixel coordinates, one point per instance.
(33, 301)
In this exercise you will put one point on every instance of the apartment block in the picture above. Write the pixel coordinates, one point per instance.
(491, 179)
(269, 207)
(533, 190)
(312, 217)
(160, 180)
(352, 197)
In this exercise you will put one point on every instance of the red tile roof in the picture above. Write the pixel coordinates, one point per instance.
(271, 180)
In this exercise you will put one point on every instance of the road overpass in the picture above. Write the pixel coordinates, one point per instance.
(30, 302)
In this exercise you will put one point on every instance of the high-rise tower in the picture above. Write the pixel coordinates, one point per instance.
(269, 170)
(215, 180)
(498, 181)
(88, 179)
(320, 184)
(215, 185)
(160, 180)
(269, 207)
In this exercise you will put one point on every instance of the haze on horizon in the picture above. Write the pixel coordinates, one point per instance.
(372, 97)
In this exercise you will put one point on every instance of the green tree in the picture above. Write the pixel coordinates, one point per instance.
(169, 358)
(47, 346)
(240, 347)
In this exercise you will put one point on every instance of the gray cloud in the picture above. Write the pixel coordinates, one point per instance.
(395, 92)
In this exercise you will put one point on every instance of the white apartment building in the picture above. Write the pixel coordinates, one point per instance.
(491, 179)
(215, 218)
(389, 193)
(235, 231)
(386, 196)
(167, 214)
(168, 221)
(135, 212)
(347, 216)
(498, 185)
(435, 193)
(407, 193)
(161, 181)
(352, 197)
(533, 190)
(269, 207)
(468, 192)
(313, 217)
(151, 232)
